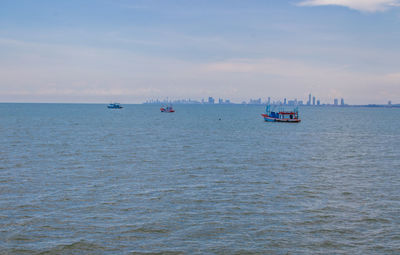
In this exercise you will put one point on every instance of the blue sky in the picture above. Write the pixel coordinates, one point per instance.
(129, 51)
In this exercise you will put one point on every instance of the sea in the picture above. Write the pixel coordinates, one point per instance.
(207, 179)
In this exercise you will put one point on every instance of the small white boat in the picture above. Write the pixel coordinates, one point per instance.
(114, 106)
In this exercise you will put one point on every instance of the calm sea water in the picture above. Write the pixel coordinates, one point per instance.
(83, 179)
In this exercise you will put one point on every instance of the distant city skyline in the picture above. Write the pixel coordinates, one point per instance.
(284, 101)
(130, 51)
(263, 101)
(260, 101)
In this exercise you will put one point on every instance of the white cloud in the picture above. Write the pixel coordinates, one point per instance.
(360, 5)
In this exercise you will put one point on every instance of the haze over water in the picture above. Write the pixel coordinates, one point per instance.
(89, 180)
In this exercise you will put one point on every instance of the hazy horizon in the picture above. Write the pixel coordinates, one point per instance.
(132, 51)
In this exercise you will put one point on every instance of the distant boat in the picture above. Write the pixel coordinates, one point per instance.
(114, 106)
(167, 108)
(281, 115)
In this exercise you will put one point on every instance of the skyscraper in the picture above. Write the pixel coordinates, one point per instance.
(313, 101)
(309, 99)
(211, 100)
(335, 102)
(342, 102)
(284, 101)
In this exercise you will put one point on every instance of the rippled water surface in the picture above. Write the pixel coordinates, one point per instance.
(82, 179)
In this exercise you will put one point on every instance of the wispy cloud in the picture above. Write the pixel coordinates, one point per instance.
(360, 5)
(31, 71)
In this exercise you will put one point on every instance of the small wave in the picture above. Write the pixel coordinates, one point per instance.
(147, 230)
(374, 220)
(80, 247)
(158, 253)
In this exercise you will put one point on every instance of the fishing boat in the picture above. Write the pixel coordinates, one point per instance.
(167, 108)
(114, 106)
(281, 115)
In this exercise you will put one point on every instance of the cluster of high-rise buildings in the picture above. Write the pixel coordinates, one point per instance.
(211, 100)
(312, 101)
(167, 101)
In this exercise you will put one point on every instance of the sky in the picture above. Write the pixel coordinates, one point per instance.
(98, 51)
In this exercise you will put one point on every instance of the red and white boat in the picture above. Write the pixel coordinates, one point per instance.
(167, 109)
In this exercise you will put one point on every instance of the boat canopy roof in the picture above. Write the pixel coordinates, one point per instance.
(287, 113)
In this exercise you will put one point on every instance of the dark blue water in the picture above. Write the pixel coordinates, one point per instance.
(83, 179)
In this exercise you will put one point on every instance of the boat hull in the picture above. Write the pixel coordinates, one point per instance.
(166, 110)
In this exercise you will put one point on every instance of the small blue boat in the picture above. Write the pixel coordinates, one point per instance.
(281, 115)
(114, 106)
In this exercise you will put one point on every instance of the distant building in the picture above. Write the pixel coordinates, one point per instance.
(300, 102)
(313, 101)
(284, 101)
(269, 100)
(220, 101)
(389, 102)
(342, 102)
(255, 101)
(227, 101)
(318, 102)
(309, 99)
(336, 102)
(211, 100)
